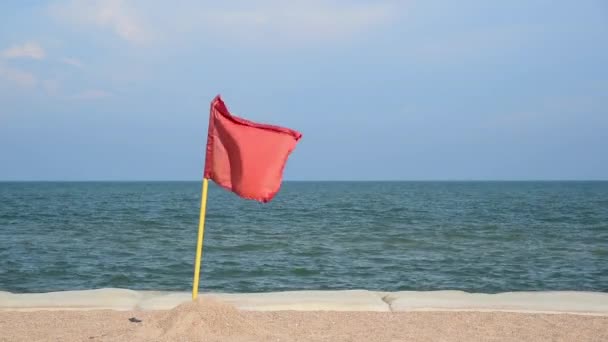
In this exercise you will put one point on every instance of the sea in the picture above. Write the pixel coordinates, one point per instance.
(483, 237)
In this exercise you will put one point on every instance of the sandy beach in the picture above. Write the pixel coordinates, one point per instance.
(358, 315)
(212, 320)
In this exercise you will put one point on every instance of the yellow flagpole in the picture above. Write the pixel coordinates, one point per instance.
(199, 243)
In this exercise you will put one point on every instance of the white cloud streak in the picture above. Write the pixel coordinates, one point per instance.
(18, 77)
(148, 21)
(26, 50)
(115, 15)
(299, 20)
(75, 62)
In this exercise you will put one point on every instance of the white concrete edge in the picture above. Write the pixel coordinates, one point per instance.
(551, 302)
(578, 313)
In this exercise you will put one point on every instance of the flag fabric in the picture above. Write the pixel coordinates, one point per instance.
(245, 157)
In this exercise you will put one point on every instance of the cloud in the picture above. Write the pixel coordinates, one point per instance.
(300, 20)
(92, 94)
(140, 21)
(18, 77)
(75, 62)
(25, 50)
(114, 15)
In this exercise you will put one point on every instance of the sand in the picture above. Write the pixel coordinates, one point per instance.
(210, 319)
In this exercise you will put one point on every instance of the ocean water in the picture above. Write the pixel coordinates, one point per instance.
(472, 236)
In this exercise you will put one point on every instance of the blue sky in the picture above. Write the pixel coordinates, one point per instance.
(413, 90)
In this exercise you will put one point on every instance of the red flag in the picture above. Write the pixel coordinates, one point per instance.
(245, 157)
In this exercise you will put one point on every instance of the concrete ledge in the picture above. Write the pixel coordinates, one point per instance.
(352, 300)
(114, 299)
(548, 302)
(355, 300)
(595, 303)
(163, 300)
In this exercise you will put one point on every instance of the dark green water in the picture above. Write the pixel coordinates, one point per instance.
(472, 236)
